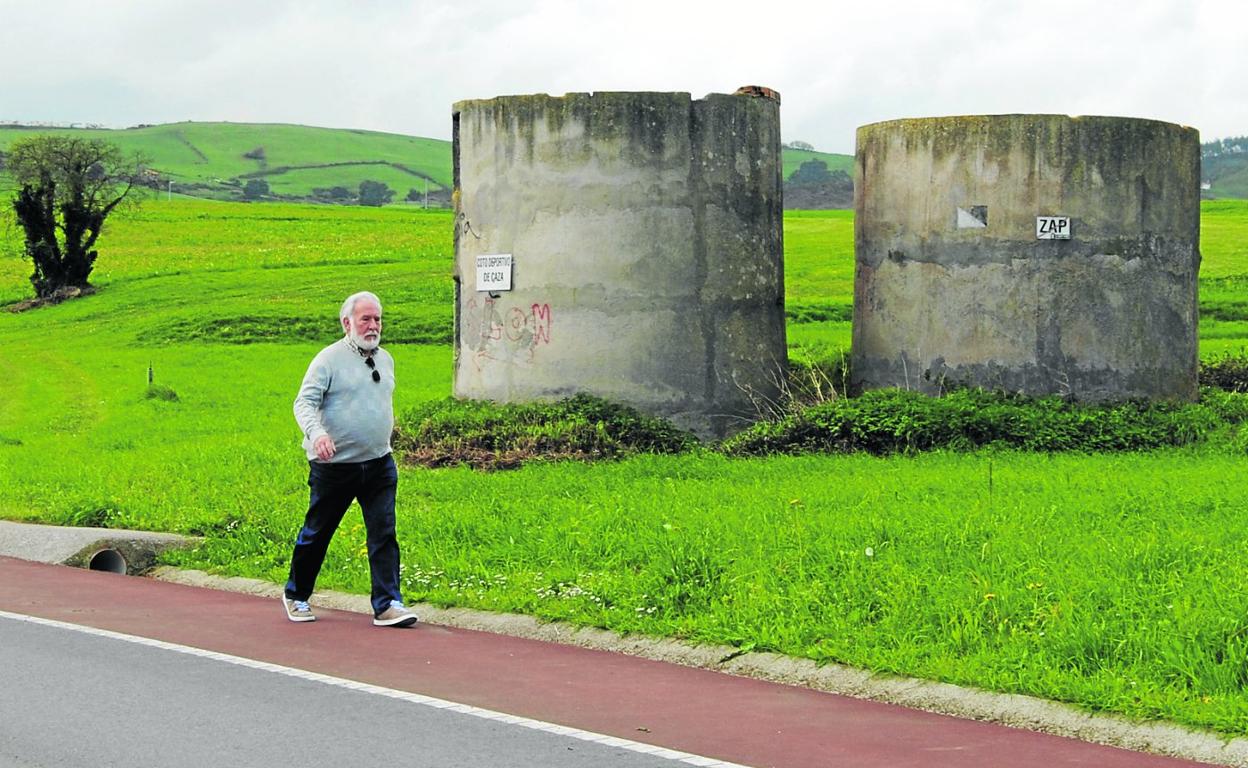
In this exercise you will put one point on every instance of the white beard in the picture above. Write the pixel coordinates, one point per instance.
(367, 344)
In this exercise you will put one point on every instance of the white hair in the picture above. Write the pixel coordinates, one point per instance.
(348, 306)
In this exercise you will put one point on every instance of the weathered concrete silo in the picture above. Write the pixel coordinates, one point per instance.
(1040, 254)
(627, 245)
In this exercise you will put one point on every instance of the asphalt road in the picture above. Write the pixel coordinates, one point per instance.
(103, 670)
(71, 699)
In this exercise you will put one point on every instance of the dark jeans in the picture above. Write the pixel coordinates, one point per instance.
(334, 487)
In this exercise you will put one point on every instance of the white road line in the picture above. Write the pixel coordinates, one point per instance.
(414, 698)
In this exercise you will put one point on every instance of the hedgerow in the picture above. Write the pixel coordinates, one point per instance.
(486, 435)
(880, 422)
(890, 421)
(1228, 372)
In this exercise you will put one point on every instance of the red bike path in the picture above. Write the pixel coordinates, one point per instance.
(698, 711)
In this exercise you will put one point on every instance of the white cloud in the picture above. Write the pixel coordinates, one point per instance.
(399, 65)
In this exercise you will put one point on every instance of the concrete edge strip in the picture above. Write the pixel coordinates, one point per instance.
(1013, 710)
(413, 698)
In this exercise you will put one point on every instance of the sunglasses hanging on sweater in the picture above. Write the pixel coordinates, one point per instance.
(376, 374)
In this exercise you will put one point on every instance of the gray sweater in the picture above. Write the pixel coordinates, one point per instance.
(339, 398)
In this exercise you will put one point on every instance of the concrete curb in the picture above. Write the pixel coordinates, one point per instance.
(1006, 709)
(77, 547)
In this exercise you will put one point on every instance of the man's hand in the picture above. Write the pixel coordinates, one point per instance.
(324, 447)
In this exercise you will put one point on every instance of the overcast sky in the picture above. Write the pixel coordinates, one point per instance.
(398, 65)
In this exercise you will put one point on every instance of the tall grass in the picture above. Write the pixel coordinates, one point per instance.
(1111, 581)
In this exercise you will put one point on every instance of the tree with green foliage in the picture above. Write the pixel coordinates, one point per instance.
(255, 189)
(66, 187)
(811, 172)
(336, 194)
(813, 186)
(375, 193)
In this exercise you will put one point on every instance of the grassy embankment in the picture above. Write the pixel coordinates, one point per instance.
(1113, 581)
(296, 160)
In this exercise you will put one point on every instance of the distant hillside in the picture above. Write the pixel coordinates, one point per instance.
(1224, 166)
(817, 180)
(298, 162)
(215, 160)
(793, 158)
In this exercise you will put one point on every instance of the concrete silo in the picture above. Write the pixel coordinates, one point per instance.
(627, 245)
(1040, 254)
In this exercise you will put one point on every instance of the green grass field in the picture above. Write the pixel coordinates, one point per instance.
(1112, 581)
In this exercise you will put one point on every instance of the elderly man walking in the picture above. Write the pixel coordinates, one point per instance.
(346, 411)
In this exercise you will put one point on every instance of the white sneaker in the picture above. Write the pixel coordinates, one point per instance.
(395, 616)
(298, 610)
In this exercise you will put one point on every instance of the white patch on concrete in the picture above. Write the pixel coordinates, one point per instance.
(414, 698)
(967, 220)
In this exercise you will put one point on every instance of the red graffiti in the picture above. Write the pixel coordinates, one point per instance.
(541, 323)
(505, 334)
(496, 323)
(517, 321)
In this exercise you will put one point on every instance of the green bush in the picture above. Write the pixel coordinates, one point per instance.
(160, 392)
(818, 312)
(487, 435)
(1229, 372)
(1230, 407)
(255, 189)
(880, 422)
(892, 421)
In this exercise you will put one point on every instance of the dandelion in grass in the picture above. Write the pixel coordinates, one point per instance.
(870, 552)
